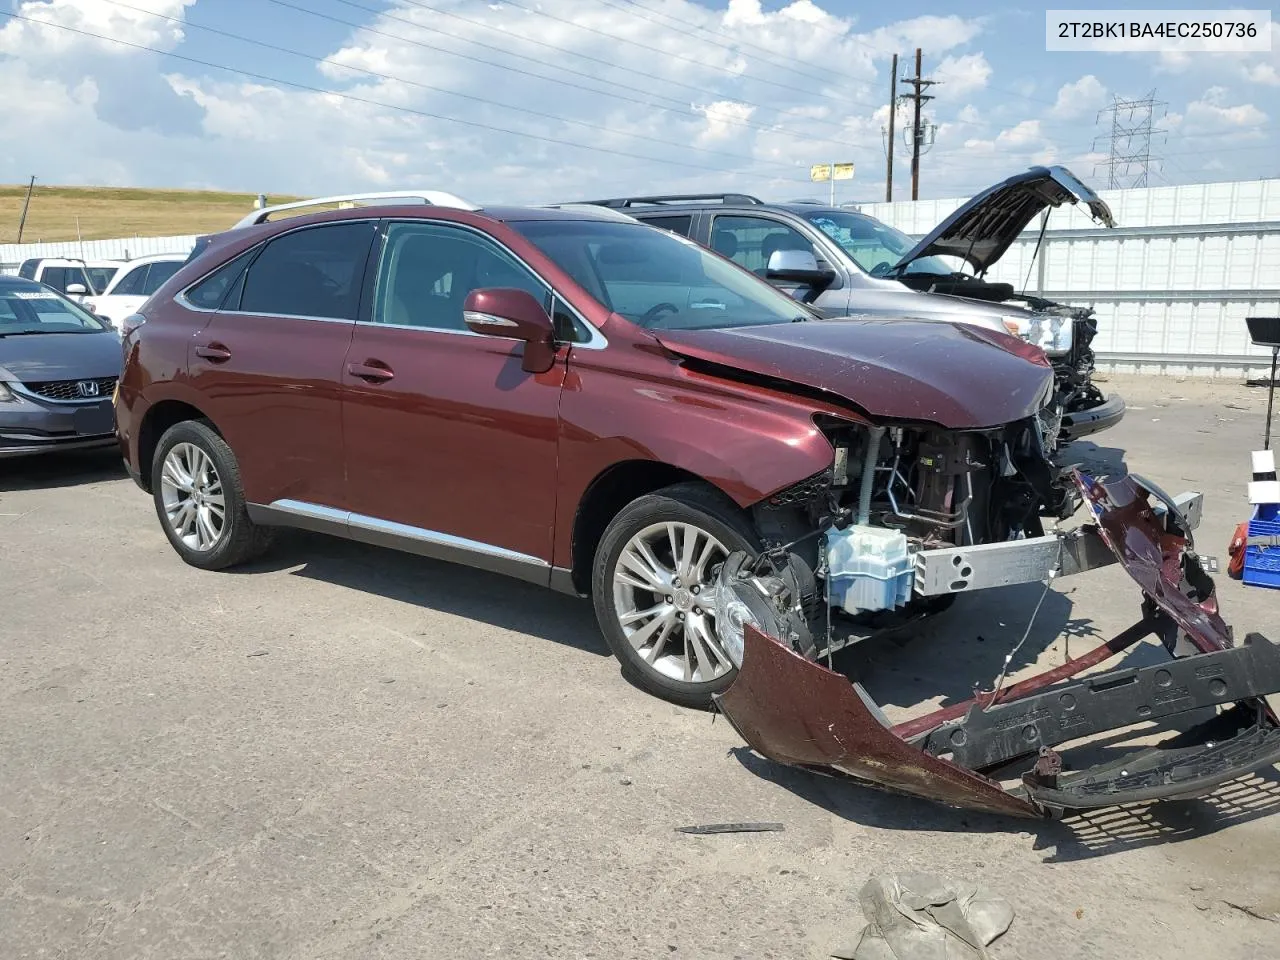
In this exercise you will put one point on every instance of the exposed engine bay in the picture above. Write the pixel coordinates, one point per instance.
(906, 519)
(853, 541)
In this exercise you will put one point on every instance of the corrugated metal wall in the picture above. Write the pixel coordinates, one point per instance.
(1172, 284)
(124, 248)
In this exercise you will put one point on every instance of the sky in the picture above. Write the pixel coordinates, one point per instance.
(533, 101)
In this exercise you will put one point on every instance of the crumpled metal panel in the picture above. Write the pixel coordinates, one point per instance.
(795, 711)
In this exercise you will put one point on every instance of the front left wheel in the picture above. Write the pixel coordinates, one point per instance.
(654, 590)
(195, 482)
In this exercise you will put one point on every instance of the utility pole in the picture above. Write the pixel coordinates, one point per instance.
(920, 98)
(1129, 157)
(893, 108)
(22, 221)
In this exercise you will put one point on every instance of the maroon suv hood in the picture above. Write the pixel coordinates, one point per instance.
(957, 376)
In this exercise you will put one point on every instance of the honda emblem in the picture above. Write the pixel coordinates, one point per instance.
(87, 388)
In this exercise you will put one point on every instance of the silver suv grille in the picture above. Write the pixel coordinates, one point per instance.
(93, 389)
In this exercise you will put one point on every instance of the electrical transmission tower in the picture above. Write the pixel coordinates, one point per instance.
(1129, 157)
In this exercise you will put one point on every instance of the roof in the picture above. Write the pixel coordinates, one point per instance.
(18, 283)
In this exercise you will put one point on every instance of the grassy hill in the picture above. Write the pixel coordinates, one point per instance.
(106, 212)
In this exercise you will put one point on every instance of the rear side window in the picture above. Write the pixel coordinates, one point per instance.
(211, 293)
(679, 224)
(130, 284)
(28, 269)
(157, 275)
(312, 272)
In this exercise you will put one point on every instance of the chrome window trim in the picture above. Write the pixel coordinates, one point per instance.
(182, 300)
(597, 340)
(315, 511)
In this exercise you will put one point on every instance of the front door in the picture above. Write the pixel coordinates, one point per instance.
(450, 445)
(269, 361)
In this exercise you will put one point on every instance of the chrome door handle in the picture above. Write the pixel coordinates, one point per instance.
(371, 371)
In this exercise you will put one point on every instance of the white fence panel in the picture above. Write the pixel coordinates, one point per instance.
(121, 248)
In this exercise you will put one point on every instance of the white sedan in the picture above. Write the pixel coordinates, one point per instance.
(132, 284)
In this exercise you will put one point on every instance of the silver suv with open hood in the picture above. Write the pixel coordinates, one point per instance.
(846, 263)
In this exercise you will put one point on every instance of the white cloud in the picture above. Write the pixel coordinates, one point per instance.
(1212, 108)
(101, 17)
(1077, 99)
(963, 75)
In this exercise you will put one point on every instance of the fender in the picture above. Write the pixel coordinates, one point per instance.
(747, 441)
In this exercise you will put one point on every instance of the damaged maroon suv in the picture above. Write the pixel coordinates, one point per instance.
(570, 397)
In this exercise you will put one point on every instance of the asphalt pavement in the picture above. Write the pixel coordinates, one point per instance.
(345, 753)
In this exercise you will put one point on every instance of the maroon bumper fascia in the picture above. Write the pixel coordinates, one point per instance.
(795, 711)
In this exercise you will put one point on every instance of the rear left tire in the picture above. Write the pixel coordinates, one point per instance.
(195, 483)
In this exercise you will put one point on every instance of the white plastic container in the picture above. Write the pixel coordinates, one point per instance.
(869, 568)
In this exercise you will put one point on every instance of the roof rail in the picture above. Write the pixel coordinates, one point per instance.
(726, 198)
(595, 209)
(434, 198)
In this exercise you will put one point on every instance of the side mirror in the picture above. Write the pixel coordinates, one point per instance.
(797, 266)
(516, 315)
(76, 290)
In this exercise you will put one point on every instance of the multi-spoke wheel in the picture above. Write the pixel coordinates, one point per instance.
(195, 482)
(191, 489)
(654, 586)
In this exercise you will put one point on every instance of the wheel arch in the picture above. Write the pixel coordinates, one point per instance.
(159, 417)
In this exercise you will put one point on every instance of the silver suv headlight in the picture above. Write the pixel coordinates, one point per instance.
(1048, 331)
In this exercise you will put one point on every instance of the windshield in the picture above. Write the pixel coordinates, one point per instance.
(99, 277)
(34, 310)
(657, 279)
(874, 246)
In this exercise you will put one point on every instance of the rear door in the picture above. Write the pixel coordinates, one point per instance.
(450, 445)
(269, 361)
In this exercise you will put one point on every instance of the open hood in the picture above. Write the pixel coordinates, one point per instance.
(955, 375)
(980, 231)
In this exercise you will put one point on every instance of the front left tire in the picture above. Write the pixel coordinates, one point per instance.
(653, 586)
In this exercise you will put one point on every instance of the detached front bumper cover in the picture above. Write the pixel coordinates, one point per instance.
(795, 711)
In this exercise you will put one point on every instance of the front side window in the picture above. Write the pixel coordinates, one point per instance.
(873, 246)
(751, 241)
(312, 272)
(427, 270)
(33, 310)
(657, 279)
(55, 277)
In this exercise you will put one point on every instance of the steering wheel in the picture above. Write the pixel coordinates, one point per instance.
(658, 309)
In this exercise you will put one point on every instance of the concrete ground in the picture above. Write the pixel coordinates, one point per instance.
(350, 753)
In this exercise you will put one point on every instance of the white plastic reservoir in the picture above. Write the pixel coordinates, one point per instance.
(870, 568)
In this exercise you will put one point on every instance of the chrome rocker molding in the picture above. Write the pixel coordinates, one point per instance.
(400, 536)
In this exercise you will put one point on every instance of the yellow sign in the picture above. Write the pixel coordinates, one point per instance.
(822, 172)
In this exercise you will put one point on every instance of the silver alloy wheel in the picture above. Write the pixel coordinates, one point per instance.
(664, 596)
(193, 499)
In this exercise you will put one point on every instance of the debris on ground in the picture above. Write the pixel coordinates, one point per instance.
(917, 916)
(707, 829)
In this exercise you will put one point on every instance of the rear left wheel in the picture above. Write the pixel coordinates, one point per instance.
(195, 483)
(654, 590)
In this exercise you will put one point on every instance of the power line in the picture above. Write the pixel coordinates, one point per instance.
(634, 9)
(426, 86)
(365, 100)
(679, 106)
(658, 50)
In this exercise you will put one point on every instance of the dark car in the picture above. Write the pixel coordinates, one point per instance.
(58, 369)
(844, 262)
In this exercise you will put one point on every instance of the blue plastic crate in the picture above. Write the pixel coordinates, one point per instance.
(1262, 565)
